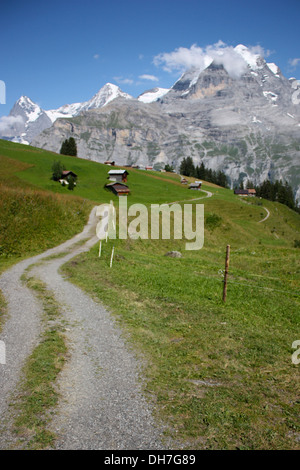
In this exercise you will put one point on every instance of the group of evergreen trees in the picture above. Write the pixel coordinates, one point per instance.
(169, 168)
(278, 191)
(69, 147)
(187, 168)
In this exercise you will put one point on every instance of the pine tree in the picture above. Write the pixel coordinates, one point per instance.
(72, 147)
(202, 172)
(209, 175)
(249, 185)
(187, 167)
(69, 147)
(64, 150)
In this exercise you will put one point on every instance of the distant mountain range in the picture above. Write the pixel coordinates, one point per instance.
(34, 119)
(243, 120)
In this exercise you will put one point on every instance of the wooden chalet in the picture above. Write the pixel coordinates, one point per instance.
(120, 189)
(245, 192)
(118, 175)
(251, 192)
(196, 185)
(67, 173)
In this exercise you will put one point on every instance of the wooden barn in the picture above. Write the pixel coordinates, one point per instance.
(118, 175)
(245, 192)
(197, 185)
(251, 192)
(65, 177)
(67, 173)
(241, 192)
(120, 189)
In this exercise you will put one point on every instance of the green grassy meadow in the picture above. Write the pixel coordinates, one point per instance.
(220, 373)
(37, 213)
(33, 219)
(92, 177)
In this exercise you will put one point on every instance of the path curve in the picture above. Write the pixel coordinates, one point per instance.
(208, 194)
(267, 216)
(102, 405)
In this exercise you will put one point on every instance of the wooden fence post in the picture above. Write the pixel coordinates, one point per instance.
(112, 255)
(226, 273)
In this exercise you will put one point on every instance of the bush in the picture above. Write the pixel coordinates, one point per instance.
(71, 181)
(212, 221)
(57, 169)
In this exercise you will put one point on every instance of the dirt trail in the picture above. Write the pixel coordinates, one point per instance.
(102, 405)
(267, 216)
(208, 194)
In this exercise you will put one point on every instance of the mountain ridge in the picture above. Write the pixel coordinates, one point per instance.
(244, 121)
(35, 119)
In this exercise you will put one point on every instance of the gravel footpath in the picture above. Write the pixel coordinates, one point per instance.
(102, 404)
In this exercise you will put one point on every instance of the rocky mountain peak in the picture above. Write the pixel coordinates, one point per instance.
(30, 119)
(237, 113)
(105, 95)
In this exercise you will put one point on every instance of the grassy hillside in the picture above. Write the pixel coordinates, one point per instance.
(222, 374)
(32, 219)
(92, 176)
(37, 213)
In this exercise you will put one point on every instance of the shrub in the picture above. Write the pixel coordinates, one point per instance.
(57, 169)
(212, 221)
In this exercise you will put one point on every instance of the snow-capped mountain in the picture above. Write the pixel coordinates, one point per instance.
(227, 72)
(104, 96)
(27, 119)
(237, 113)
(150, 96)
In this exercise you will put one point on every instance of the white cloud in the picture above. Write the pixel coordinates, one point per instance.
(149, 77)
(182, 59)
(294, 62)
(96, 56)
(122, 80)
(8, 122)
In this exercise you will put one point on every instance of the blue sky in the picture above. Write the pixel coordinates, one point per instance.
(59, 52)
